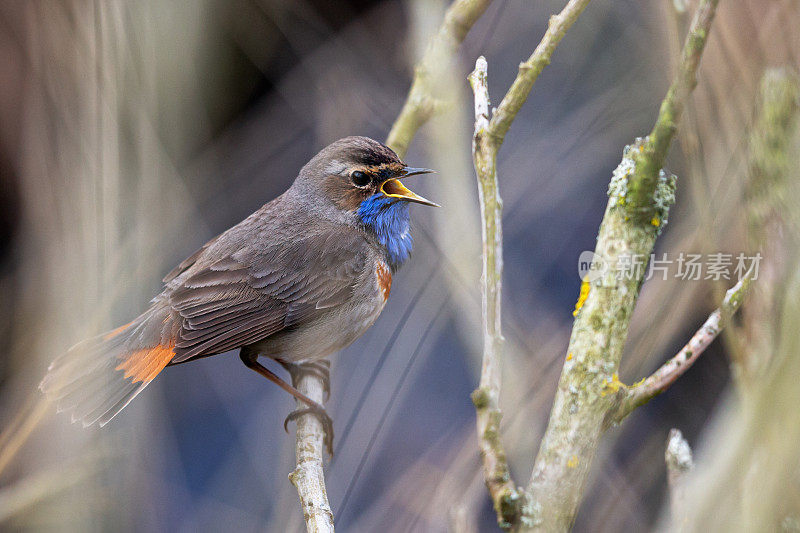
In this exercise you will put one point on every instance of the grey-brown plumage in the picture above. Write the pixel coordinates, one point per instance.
(299, 279)
(274, 276)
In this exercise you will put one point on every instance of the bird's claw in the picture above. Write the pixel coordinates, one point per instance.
(319, 412)
(320, 369)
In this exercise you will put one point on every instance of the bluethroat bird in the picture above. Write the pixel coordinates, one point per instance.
(303, 277)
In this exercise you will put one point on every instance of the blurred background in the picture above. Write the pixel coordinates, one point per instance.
(132, 132)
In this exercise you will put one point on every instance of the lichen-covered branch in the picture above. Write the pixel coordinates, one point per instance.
(640, 195)
(529, 70)
(650, 158)
(490, 130)
(422, 101)
(661, 379)
(771, 212)
(504, 494)
(309, 477)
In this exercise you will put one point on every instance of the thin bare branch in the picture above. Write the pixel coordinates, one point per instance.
(661, 379)
(650, 158)
(505, 496)
(490, 130)
(309, 477)
(421, 102)
(529, 70)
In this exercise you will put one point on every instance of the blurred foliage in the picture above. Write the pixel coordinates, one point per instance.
(132, 132)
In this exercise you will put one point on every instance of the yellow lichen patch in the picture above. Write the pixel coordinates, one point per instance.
(612, 386)
(573, 462)
(655, 222)
(569, 356)
(585, 288)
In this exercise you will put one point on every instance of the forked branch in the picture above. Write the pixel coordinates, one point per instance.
(660, 380)
(505, 496)
(640, 195)
(421, 102)
(490, 130)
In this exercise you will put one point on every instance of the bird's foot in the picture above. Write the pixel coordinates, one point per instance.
(318, 411)
(320, 369)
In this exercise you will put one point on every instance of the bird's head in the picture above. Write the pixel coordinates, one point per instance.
(354, 169)
(362, 177)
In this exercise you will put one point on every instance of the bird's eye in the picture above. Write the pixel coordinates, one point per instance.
(359, 179)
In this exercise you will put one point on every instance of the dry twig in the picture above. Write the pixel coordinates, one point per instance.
(490, 130)
(309, 476)
(421, 102)
(504, 494)
(661, 379)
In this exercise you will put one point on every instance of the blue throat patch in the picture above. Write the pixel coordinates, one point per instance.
(389, 219)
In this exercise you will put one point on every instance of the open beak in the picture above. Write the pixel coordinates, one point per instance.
(394, 189)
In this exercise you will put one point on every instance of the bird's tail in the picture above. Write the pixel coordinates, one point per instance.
(98, 377)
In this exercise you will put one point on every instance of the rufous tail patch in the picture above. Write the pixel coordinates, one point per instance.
(145, 364)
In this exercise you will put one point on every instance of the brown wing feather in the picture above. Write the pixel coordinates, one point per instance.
(188, 262)
(246, 296)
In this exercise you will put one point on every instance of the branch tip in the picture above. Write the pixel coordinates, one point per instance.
(660, 380)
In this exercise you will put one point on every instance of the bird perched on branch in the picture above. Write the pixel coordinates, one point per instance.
(299, 279)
